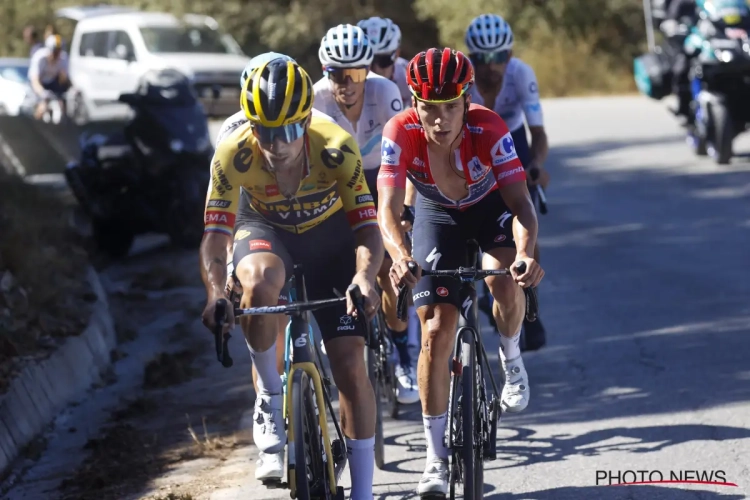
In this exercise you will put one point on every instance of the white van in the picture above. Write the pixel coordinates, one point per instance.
(112, 47)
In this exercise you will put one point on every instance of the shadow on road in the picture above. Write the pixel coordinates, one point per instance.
(640, 492)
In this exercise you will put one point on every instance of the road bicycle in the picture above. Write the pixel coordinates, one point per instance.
(474, 412)
(307, 401)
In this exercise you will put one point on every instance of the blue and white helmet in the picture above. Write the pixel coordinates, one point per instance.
(384, 34)
(345, 46)
(260, 60)
(489, 33)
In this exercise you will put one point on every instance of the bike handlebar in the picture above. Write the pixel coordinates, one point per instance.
(466, 274)
(220, 316)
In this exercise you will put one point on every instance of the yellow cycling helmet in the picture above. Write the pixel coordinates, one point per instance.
(277, 93)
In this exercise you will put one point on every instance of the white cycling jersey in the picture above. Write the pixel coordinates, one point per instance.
(399, 78)
(382, 102)
(518, 96)
(239, 118)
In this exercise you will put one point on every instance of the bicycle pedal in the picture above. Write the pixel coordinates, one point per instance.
(273, 484)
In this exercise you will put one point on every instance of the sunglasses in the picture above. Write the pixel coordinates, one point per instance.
(449, 92)
(499, 57)
(339, 75)
(384, 60)
(285, 133)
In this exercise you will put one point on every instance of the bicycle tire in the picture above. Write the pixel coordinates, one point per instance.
(374, 374)
(307, 441)
(469, 402)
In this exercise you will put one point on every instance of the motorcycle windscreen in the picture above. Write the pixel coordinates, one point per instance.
(185, 127)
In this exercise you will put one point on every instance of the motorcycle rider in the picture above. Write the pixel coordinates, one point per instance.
(385, 39)
(680, 12)
(48, 74)
(362, 102)
(509, 86)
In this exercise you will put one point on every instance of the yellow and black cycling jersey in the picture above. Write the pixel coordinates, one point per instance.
(334, 179)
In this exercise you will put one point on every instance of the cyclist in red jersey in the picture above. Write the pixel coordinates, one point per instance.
(471, 184)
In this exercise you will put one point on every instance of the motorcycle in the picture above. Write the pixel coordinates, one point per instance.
(718, 49)
(153, 175)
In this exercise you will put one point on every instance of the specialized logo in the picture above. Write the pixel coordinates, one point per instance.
(390, 152)
(242, 234)
(260, 245)
(434, 257)
(466, 306)
(501, 220)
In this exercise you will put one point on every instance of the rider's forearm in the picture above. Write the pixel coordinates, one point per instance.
(539, 147)
(37, 86)
(213, 256)
(525, 228)
(393, 235)
(369, 251)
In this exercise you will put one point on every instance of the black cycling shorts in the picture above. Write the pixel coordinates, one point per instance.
(439, 242)
(326, 253)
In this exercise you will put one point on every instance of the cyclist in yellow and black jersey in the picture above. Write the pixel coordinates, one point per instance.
(304, 201)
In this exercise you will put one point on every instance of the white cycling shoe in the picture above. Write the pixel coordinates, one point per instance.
(269, 466)
(268, 423)
(434, 482)
(515, 397)
(407, 390)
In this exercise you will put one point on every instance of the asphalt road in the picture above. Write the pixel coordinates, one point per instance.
(647, 305)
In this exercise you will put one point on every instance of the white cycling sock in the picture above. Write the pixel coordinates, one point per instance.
(434, 432)
(361, 454)
(268, 381)
(414, 326)
(509, 346)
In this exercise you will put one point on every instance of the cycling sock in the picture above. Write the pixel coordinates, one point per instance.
(434, 431)
(401, 339)
(361, 453)
(268, 381)
(414, 326)
(509, 346)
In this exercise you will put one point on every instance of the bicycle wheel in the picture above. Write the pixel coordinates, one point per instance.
(310, 473)
(469, 402)
(373, 371)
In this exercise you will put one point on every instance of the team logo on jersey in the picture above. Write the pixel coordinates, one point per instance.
(504, 150)
(390, 152)
(533, 88)
(475, 130)
(397, 105)
(476, 169)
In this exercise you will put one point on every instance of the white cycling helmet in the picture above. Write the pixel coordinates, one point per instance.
(345, 46)
(258, 61)
(489, 33)
(384, 35)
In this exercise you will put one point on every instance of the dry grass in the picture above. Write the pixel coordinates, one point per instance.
(44, 292)
(566, 67)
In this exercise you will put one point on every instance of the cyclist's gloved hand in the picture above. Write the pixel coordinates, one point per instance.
(371, 297)
(400, 273)
(533, 275)
(209, 315)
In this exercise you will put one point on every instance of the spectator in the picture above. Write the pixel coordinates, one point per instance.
(31, 37)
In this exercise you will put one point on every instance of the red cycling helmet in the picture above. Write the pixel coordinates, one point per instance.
(436, 75)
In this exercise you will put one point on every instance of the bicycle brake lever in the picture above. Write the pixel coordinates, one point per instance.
(402, 300)
(221, 340)
(355, 294)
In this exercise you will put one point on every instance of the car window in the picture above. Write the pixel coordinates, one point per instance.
(94, 44)
(16, 73)
(119, 38)
(185, 39)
